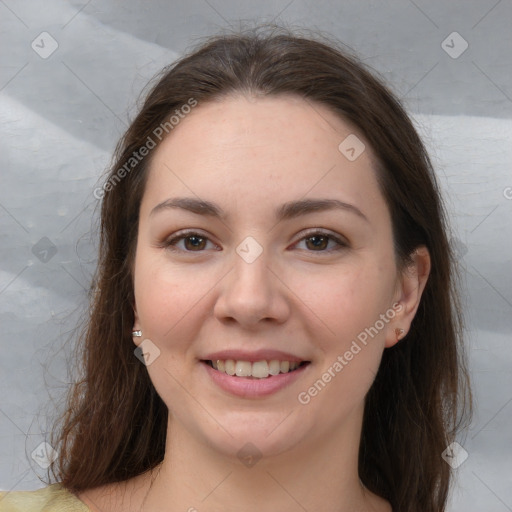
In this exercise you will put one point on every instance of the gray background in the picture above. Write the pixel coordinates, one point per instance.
(62, 115)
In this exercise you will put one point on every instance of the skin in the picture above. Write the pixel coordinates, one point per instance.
(249, 155)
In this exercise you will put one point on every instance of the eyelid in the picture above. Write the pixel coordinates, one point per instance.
(169, 242)
(341, 241)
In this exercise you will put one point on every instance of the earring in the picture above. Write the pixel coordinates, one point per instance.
(398, 332)
(137, 334)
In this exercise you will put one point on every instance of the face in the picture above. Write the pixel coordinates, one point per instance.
(259, 283)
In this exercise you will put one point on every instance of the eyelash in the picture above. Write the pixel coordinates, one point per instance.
(170, 243)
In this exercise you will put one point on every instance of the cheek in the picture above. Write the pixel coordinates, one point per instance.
(346, 300)
(350, 304)
(167, 298)
(168, 305)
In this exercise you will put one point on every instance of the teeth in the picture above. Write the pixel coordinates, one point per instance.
(274, 367)
(229, 367)
(243, 368)
(258, 369)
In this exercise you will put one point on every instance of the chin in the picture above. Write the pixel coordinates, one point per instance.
(251, 435)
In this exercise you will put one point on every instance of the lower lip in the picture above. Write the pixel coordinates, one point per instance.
(247, 387)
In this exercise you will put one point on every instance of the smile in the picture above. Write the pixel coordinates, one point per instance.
(257, 369)
(256, 379)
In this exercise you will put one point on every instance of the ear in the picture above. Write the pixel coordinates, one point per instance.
(136, 325)
(409, 291)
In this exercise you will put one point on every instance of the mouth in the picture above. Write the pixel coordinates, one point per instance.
(264, 369)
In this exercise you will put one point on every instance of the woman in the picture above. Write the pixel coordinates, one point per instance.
(275, 322)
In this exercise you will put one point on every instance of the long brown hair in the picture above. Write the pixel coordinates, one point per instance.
(114, 427)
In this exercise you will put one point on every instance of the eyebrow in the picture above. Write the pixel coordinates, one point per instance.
(286, 211)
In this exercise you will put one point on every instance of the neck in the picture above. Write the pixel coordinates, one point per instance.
(319, 474)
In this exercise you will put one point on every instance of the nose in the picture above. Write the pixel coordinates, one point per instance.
(252, 293)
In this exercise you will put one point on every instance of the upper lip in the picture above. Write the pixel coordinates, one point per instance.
(257, 355)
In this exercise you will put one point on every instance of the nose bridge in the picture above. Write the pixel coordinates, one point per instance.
(251, 291)
(250, 280)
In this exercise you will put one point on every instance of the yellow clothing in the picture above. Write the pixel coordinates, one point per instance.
(52, 498)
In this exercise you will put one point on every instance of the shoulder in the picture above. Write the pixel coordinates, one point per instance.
(53, 498)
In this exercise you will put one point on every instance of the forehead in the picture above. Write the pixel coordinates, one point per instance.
(263, 151)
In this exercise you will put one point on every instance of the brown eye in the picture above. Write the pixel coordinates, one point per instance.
(196, 242)
(192, 242)
(316, 241)
(319, 241)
